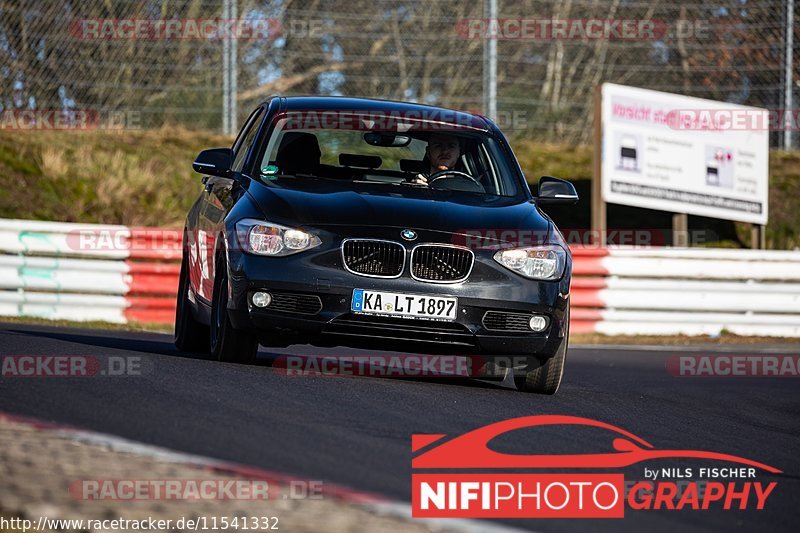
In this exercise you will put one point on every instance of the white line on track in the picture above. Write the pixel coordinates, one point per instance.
(717, 348)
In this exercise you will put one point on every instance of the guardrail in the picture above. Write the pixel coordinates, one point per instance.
(121, 274)
(693, 291)
(88, 271)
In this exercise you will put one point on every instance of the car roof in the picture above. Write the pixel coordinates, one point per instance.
(328, 103)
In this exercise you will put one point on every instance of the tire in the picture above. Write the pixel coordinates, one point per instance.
(190, 335)
(544, 377)
(227, 343)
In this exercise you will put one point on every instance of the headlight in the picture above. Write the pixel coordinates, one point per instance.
(539, 262)
(265, 238)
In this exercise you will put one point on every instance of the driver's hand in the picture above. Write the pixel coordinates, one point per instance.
(419, 179)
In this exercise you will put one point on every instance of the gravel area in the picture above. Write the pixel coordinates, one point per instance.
(38, 465)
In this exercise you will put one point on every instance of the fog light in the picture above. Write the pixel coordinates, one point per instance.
(261, 299)
(537, 323)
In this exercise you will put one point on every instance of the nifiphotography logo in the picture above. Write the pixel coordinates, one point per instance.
(469, 479)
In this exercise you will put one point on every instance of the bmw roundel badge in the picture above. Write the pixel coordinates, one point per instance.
(409, 234)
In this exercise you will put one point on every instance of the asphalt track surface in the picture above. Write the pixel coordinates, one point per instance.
(356, 431)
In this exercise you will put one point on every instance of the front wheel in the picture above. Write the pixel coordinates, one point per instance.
(227, 343)
(190, 335)
(544, 377)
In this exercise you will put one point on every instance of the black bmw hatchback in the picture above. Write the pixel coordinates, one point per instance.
(355, 222)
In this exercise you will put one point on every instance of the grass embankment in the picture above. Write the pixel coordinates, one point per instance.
(145, 178)
(144, 327)
(136, 178)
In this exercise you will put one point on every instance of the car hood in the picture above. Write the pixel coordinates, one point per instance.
(321, 203)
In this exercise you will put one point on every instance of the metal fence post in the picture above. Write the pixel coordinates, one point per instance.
(490, 61)
(229, 60)
(788, 75)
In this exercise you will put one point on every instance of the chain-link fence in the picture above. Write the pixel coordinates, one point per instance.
(162, 61)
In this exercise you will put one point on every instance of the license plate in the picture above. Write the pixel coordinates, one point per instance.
(404, 305)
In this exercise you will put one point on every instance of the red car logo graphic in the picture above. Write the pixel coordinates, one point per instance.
(471, 449)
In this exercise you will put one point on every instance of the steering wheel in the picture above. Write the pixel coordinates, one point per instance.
(455, 173)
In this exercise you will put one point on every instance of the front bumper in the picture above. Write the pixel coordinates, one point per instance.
(320, 273)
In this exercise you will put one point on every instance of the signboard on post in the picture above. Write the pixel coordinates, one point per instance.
(682, 154)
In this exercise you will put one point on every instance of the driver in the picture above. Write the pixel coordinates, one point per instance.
(442, 153)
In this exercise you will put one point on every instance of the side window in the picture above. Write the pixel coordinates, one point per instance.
(247, 140)
(237, 142)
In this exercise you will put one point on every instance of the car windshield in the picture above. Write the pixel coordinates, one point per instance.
(407, 153)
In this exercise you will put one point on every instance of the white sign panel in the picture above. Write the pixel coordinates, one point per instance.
(684, 155)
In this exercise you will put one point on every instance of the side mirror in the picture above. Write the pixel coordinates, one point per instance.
(216, 162)
(556, 191)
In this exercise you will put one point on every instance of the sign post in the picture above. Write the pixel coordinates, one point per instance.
(598, 207)
(680, 230)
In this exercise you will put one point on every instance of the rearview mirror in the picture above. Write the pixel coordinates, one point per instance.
(216, 162)
(376, 138)
(556, 191)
